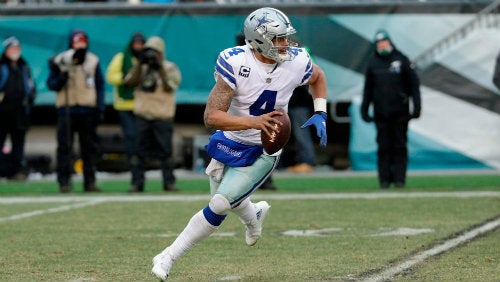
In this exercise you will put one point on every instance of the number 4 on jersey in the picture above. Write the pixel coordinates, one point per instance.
(264, 104)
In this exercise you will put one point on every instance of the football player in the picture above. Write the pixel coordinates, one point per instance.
(251, 82)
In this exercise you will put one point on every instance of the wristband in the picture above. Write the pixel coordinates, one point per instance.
(319, 105)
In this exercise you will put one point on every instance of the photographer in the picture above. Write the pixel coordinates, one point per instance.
(75, 75)
(155, 81)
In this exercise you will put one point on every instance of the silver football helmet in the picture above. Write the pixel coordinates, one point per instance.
(264, 25)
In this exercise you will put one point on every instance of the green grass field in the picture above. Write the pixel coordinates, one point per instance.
(319, 229)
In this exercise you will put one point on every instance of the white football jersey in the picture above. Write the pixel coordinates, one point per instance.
(260, 88)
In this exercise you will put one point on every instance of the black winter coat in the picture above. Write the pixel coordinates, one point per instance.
(18, 90)
(390, 81)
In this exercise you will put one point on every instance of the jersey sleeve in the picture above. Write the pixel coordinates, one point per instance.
(305, 63)
(225, 67)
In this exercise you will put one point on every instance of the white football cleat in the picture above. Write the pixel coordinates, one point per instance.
(254, 230)
(162, 263)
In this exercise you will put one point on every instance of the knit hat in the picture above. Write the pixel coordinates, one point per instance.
(11, 41)
(138, 37)
(381, 35)
(77, 35)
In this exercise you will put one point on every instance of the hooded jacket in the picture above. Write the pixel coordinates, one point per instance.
(17, 92)
(390, 81)
(121, 63)
(158, 103)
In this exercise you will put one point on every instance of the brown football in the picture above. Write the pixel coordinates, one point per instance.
(280, 135)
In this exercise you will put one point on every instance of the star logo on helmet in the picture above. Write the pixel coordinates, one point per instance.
(263, 21)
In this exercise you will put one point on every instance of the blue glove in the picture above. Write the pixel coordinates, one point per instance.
(319, 121)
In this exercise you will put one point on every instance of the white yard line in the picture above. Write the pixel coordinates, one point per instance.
(84, 201)
(389, 273)
(51, 210)
(263, 196)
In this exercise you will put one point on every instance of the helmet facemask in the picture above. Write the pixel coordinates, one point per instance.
(268, 24)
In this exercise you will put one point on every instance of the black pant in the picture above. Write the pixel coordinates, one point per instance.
(154, 140)
(85, 125)
(12, 163)
(392, 151)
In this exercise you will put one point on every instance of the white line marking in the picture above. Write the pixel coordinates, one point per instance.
(51, 210)
(402, 231)
(447, 245)
(311, 233)
(83, 201)
(298, 196)
(230, 278)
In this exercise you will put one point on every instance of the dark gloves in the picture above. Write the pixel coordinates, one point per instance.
(63, 77)
(79, 56)
(29, 100)
(366, 117)
(416, 114)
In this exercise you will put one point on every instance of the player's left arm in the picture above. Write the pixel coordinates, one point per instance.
(217, 117)
(317, 86)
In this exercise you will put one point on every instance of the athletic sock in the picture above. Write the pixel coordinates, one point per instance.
(196, 230)
(246, 211)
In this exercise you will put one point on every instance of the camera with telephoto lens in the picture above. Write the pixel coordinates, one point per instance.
(150, 57)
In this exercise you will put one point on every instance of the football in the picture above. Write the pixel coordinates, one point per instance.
(280, 135)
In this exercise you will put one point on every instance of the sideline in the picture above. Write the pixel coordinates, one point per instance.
(467, 237)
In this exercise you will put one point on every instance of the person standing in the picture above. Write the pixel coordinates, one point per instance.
(496, 73)
(390, 83)
(155, 81)
(300, 109)
(76, 76)
(251, 83)
(17, 94)
(123, 101)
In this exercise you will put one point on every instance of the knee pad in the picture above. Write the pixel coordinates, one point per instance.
(219, 204)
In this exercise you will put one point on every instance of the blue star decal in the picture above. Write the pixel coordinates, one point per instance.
(263, 20)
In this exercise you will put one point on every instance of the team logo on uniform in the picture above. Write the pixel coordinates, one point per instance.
(395, 67)
(244, 71)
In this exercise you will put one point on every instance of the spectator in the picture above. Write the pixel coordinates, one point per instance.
(251, 81)
(155, 80)
(17, 94)
(496, 72)
(299, 109)
(390, 82)
(76, 76)
(123, 95)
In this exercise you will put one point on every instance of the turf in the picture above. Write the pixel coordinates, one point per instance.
(303, 240)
